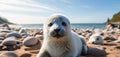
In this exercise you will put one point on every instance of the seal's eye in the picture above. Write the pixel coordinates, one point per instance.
(50, 24)
(64, 24)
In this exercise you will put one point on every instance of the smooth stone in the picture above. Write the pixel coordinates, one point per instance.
(3, 34)
(15, 34)
(22, 31)
(5, 26)
(9, 41)
(5, 30)
(26, 55)
(24, 35)
(96, 52)
(38, 33)
(39, 37)
(30, 41)
(1, 38)
(1, 41)
(9, 54)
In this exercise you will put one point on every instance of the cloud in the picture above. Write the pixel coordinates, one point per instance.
(25, 5)
(23, 19)
(25, 11)
(15, 8)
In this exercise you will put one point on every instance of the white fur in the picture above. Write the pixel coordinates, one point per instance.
(76, 48)
(94, 37)
(71, 42)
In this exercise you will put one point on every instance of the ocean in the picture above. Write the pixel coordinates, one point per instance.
(73, 25)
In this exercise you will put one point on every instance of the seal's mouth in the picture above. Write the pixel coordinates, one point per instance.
(57, 33)
(58, 36)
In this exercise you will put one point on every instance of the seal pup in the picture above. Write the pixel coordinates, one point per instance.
(59, 40)
(96, 39)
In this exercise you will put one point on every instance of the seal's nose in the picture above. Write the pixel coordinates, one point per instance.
(93, 42)
(57, 30)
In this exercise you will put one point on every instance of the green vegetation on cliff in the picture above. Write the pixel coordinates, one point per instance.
(116, 17)
(4, 20)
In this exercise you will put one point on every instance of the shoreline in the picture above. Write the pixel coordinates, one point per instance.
(73, 25)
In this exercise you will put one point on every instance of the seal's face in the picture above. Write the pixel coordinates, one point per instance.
(96, 39)
(57, 26)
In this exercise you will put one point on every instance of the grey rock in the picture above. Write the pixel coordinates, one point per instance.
(39, 37)
(5, 30)
(24, 35)
(1, 38)
(9, 41)
(30, 41)
(3, 34)
(5, 26)
(8, 54)
(15, 34)
(1, 41)
(22, 31)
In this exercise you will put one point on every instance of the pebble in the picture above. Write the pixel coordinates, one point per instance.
(30, 41)
(8, 54)
(15, 34)
(1, 38)
(9, 41)
(39, 37)
(22, 31)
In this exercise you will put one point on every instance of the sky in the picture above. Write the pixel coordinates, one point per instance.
(77, 11)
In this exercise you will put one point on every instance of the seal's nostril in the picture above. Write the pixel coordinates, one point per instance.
(57, 30)
(93, 42)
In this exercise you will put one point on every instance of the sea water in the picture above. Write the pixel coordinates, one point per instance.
(73, 25)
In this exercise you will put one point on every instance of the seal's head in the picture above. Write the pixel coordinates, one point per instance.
(96, 39)
(57, 26)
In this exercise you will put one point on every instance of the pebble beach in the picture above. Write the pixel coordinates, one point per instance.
(26, 42)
